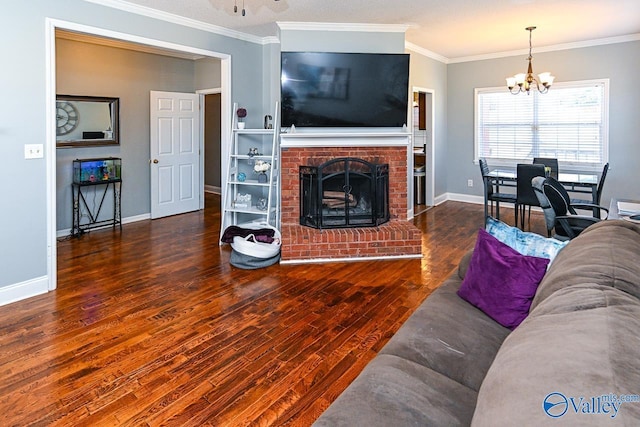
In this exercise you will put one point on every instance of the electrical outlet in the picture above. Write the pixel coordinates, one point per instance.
(33, 151)
(469, 183)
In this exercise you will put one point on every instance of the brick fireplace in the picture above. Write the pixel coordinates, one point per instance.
(397, 238)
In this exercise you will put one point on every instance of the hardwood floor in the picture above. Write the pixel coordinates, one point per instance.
(153, 326)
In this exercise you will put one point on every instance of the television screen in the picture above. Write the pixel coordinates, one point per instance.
(344, 89)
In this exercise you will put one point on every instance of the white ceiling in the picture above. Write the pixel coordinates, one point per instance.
(454, 29)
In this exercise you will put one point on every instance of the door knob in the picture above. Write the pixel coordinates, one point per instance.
(155, 160)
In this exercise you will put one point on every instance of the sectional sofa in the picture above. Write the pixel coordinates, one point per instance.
(574, 359)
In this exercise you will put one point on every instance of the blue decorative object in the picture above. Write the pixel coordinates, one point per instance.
(242, 177)
(526, 243)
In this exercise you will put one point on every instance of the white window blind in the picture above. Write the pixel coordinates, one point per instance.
(569, 123)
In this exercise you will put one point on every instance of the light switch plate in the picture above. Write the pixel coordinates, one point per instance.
(33, 151)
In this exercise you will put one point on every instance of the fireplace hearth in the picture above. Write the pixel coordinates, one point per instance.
(344, 193)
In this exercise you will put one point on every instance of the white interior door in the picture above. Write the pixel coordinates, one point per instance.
(175, 152)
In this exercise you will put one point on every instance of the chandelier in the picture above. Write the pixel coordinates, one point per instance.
(524, 82)
(244, 11)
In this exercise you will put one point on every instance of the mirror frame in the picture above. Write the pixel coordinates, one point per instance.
(114, 109)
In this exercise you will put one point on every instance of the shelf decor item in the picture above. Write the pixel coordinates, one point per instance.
(252, 152)
(241, 113)
(261, 167)
(243, 201)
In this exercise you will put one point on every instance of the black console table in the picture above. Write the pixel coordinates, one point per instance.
(81, 208)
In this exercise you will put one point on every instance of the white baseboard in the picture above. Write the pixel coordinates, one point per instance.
(212, 189)
(459, 197)
(477, 200)
(23, 290)
(67, 232)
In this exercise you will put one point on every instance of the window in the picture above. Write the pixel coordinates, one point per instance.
(569, 123)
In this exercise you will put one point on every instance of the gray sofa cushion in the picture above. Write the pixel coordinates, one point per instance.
(450, 336)
(392, 391)
(607, 253)
(582, 342)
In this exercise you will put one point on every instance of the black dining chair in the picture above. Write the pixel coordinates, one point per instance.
(566, 222)
(550, 163)
(596, 212)
(525, 195)
(490, 195)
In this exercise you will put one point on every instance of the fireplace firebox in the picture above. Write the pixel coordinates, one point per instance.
(343, 193)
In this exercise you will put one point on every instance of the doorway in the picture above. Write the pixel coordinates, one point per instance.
(423, 134)
(212, 143)
(51, 90)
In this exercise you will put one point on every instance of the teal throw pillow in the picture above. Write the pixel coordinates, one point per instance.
(526, 243)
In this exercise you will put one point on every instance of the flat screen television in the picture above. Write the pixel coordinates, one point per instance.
(321, 89)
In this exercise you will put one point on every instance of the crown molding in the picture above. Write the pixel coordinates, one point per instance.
(550, 48)
(341, 26)
(425, 52)
(180, 20)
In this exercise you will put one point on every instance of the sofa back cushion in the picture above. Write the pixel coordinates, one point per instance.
(607, 253)
(576, 348)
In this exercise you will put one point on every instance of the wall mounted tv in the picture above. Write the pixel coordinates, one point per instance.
(321, 89)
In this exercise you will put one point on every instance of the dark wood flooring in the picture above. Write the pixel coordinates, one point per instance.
(152, 326)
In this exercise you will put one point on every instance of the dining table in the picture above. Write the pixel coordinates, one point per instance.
(575, 182)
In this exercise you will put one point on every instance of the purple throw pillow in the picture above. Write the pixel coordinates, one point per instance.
(500, 281)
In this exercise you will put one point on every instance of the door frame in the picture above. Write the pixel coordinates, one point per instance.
(51, 25)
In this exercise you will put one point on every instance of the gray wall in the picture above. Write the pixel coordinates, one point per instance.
(23, 183)
(93, 70)
(617, 62)
(431, 74)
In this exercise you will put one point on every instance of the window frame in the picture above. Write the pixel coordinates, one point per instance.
(564, 165)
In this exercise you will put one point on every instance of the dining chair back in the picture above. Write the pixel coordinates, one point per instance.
(603, 176)
(549, 214)
(605, 169)
(525, 195)
(567, 223)
(550, 163)
(490, 195)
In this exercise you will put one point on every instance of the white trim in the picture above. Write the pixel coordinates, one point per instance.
(345, 139)
(343, 26)
(551, 48)
(441, 199)
(50, 153)
(73, 26)
(23, 290)
(425, 52)
(459, 197)
(352, 259)
(213, 189)
(211, 91)
(180, 20)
